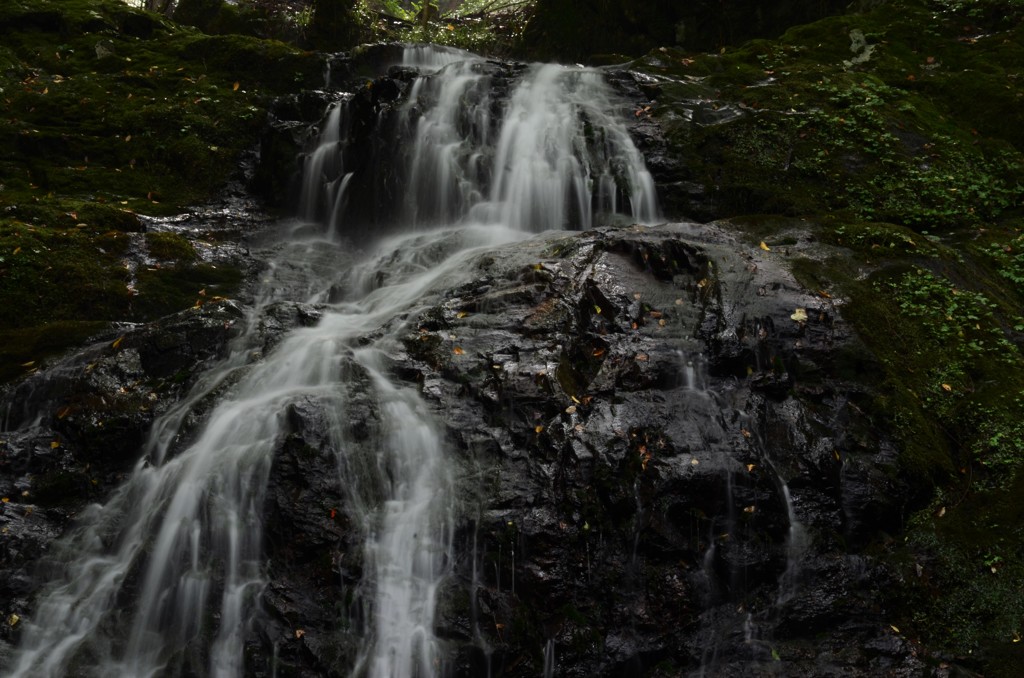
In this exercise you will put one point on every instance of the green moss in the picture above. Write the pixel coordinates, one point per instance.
(964, 575)
(23, 349)
(170, 247)
(168, 289)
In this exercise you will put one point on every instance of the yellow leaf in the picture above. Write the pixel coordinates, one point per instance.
(749, 509)
(13, 619)
(235, 87)
(597, 309)
(117, 342)
(16, 250)
(54, 444)
(765, 247)
(538, 429)
(30, 363)
(800, 315)
(461, 314)
(751, 467)
(298, 632)
(458, 350)
(571, 409)
(894, 628)
(575, 399)
(947, 388)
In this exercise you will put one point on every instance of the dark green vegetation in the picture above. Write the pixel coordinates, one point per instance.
(896, 138)
(111, 112)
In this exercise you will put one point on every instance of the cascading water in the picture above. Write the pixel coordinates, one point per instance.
(165, 577)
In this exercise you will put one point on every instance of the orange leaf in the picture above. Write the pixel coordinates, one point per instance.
(458, 350)
(235, 87)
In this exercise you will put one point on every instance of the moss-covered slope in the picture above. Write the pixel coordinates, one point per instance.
(111, 112)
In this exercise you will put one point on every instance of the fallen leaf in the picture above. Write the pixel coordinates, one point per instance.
(765, 247)
(598, 352)
(751, 467)
(894, 628)
(642, 357)
(800, 315)
(117, 342)
(749, 509)
(458, 350)
(54, 444)
(597, 309)
(30, 363)
(947, 388)
(571, 409)
(299, 633)
(13, 619)
(538, 429)
(745, 432)
(234, 88)
(461, 314)
(16, 250)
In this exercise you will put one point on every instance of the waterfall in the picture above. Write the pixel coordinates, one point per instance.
(166, 576)
(551, 154)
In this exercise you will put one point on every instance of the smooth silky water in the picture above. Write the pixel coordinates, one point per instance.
(165, 577)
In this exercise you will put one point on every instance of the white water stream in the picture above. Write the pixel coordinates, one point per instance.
(165, 577)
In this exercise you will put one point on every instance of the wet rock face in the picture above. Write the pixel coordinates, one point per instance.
(662, 462)
(654, 432)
